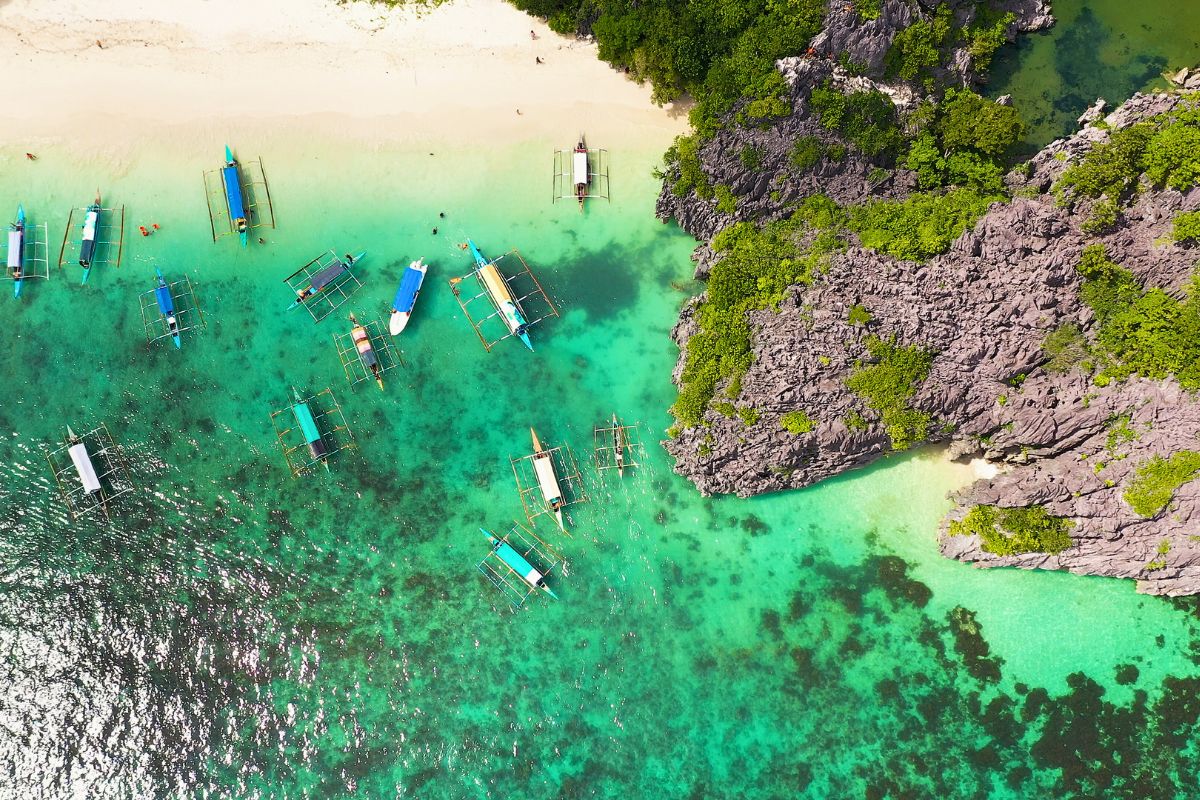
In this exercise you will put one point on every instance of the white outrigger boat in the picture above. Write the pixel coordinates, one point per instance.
(406, 296)
(543, 468)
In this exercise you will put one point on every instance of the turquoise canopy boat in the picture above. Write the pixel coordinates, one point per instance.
(234, 196)
(166, 307)
(308, 428)
(16, 250)
(518, 571)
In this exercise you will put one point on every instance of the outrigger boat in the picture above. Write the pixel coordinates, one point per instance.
(497, 287)
(166, 307)
(366, 353)
(579, 170)
(87, 247)
(16, 250)
(406, 296)
(233, 197)
(83, 463)
(90, 471)
(308, 427)
(617, 446)
(543, 467)
(531, 575)
(326, 277)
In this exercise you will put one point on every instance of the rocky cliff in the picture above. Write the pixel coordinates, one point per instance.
(984, 309)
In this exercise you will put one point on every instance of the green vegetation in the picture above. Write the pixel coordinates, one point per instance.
(756, 271)
(749, 415)
(859, 315)
(689, 174)
(1155, 481)
(797, 422)
(919, 48)
(887, 384)
(1164, 547)
(805, 153)
(869, 9)
(1012, 531)
(726, 200)
(1104, 216)
(1166, 148)
(1065, 347)
(1120, 432)
(856, 421)
(963, 141)
(1147, 333)
(1186, 226)
(920, 226)
(867, 119)
(751, 158)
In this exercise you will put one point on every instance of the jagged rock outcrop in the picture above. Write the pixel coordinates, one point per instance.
(985, 307)
(772, 188)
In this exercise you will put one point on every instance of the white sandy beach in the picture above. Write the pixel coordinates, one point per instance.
(80, 73)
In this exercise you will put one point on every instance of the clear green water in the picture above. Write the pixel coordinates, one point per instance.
(1098, 48)
(238, 633)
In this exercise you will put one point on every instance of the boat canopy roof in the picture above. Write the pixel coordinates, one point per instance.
(326, 276)
(518, 563)
(233, 192)
(410, 284)
(308, 425)
(83, 465)
(166, 304)
(579, 162)
(543, 466)
(14, 248)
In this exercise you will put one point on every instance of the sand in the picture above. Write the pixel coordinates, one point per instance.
(94, 74)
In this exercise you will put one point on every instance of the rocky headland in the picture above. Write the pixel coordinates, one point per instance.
(1068, 443)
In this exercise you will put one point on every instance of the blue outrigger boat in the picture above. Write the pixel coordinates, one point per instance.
(87, 248)
(406, 296)
(234, 197)
(166, 307)
(16, 250)
(308, 427)
(511, 570)
(325, 277)
(497, 289)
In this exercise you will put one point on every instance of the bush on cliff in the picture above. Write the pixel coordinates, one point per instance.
(1186, 226)
(920, 226)
(1155, 481)
(886, 384)
(797, 422)
(1013, 531)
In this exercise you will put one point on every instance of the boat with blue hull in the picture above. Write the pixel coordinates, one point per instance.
(16, 250)
(234, 196)
(497, 288)
(166, 307)
(406, 296)
(87, 246)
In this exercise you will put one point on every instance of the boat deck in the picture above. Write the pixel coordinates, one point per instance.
(482, 308)
(253, 191)
(90, 478)
(188, 313)
(327, 420)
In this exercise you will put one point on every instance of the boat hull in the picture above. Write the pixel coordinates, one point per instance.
(406, 296)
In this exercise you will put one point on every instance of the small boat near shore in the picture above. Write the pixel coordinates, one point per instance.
(498, 289)
(234, 198)
(543, 468)
(327, 276)
(166, 307)
(406, 296)
(366, 352)
(87, 246)
(16, 250)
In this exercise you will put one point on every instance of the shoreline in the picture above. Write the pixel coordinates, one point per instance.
(352, 71)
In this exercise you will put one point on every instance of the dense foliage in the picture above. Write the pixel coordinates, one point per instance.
(1147, 333)
(1185, 227)
(867, 119)
(718, 51)
(1013, 531)
(1066, 348)
(887, 383)
(963, 142)
(757, 268)
(1166, 148)
(797, 422)
(920, 226)
(919, 50)
(1155, 481)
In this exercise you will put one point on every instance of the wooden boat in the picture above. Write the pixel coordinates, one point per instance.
(166, 307)
(366, 353)
(308, 427)
(530, 575)
(16, 250)
(325, 277)
(619, 444)
(234, 197)
(579, 171)
(87, 248)
(497, 288)
(406, 296)
(543, 468)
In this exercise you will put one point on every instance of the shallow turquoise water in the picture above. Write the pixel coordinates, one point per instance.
(1098, 48)
(237, 633)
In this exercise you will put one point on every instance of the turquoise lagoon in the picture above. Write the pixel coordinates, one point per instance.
(234, 632)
